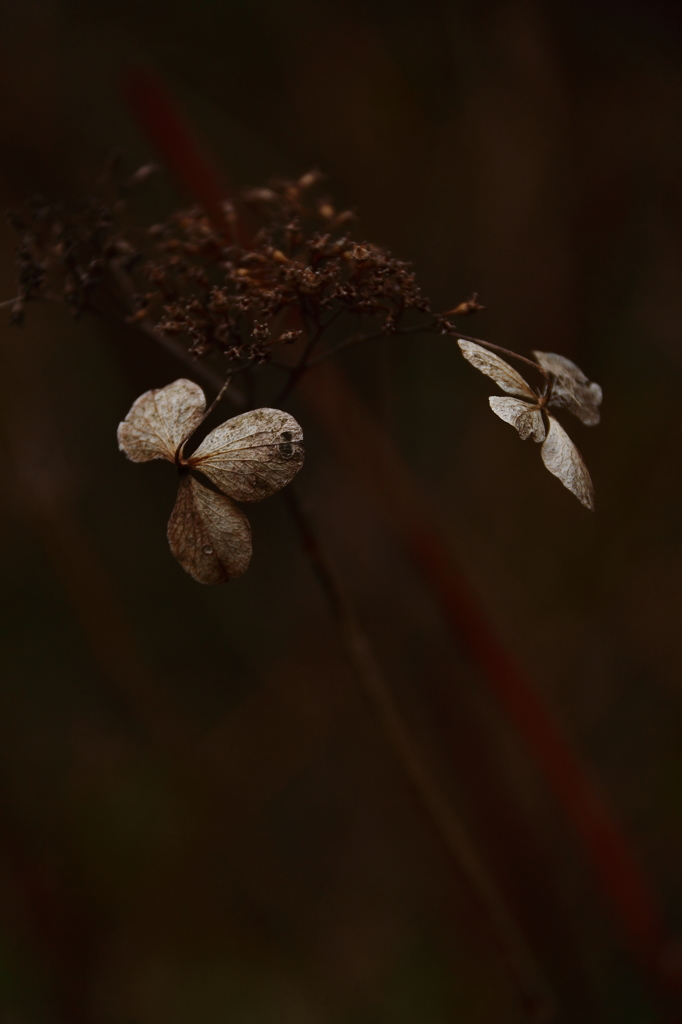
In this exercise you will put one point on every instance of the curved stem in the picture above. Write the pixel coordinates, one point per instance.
(429, 328)
(534, 990)
(302, 366)
(207, 373)
(356, 339)
(507, 352)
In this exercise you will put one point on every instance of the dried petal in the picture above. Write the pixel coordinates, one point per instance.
(526, 418)
(504, 375)
(160, 420)
(563, 459)
(571, 389)
(253, 455)
(208, 534)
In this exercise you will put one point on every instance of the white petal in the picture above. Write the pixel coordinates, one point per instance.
(563, 459)
(160, 420)
(526, 418)
(571, 389)
(208, 534)
(252, 455)
(504, 375)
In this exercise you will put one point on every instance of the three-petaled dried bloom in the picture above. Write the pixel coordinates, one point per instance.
(247, 458)
(568, 388)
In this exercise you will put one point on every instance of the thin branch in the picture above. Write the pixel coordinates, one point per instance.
(41, 297)
(202, 370)
(209, 375)
(301, 367)
(221, 394)
(534, 989)
(428, 328)
(507, 352)
(356, 339)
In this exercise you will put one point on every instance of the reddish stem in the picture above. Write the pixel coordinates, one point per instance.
(175, 143)
(369, 454)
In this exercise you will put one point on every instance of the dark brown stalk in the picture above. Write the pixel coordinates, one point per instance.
(534, 990)
(426, 328)
(206, 373)
(301, 367)
(506, 352)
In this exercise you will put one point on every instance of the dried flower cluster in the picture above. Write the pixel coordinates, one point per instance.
(295, 275)
(65, 252)
(193, 278)
(247, 458)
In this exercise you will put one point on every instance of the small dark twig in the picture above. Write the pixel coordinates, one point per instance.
(507, 352)
(297, 372)
(428, 328)
(202, 370)
(356, 339)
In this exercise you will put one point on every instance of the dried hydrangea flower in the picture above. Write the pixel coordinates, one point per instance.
(246, 458)
(568, 388)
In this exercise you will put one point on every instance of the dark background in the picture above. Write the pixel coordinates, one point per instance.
(200, 820)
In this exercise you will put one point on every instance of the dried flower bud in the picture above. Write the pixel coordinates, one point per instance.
(259, 195)
(309, 179)
(467, 307)
(142, 173)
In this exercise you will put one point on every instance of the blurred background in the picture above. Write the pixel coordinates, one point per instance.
(200, 820)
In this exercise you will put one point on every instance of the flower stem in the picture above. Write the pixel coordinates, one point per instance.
(534, 990)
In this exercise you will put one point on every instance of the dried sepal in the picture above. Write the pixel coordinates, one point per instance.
(208, 534)
(160, 420)
(504, 375)
(570, 388)
(247, 458)
(562, 458)
(527, 419)
(253, 455)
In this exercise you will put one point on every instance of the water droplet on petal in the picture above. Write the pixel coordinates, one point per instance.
(207, 549)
